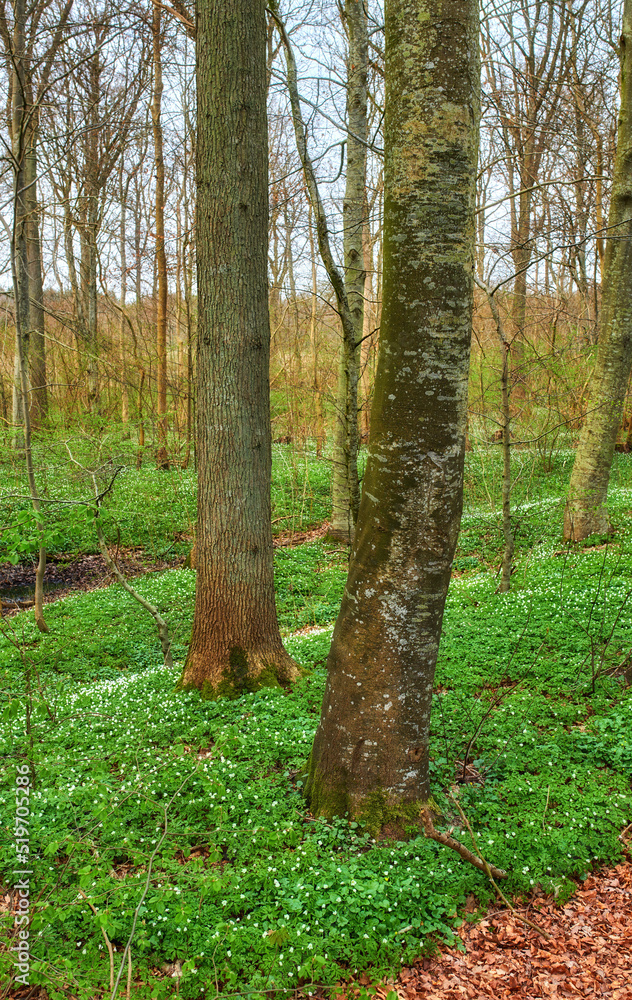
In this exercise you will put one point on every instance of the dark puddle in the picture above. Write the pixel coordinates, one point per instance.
(67, 575)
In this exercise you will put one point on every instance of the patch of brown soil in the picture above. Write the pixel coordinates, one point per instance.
(66, 575)
(288, 539)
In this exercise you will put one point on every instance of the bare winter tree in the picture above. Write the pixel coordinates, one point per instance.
(31, 39)
(84, 148)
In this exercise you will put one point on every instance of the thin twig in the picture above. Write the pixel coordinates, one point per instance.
(455, 845)
(126, 952)
(622, 836)
(490, 874)
(105, 937)
(163, 628)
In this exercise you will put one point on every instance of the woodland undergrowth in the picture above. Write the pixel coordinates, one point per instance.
(183, 819)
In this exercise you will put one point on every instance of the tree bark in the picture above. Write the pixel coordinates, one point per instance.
(162, 459)
(39, 391)
(368, 329)
(123, 191)
(370, 753)
(345, 483)
(505, 396)
(19, 113)
(313, 340)
(23, 114)
(236, 644)
(20, 277)
(343, 461)
(89, 230)
(586, 511)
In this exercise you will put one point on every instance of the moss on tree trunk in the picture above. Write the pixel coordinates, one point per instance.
(370, 753)
(345, 482)
(586, 511)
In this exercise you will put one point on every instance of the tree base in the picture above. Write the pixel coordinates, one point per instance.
(238, 673)
(341, 536)
(381, 815)
(579, 523)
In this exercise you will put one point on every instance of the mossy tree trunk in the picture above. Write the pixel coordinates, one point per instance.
(345, 483)
(370, 753)
(586, 511)
(236, 644)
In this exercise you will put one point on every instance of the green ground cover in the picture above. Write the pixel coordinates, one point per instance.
(153, 511)
(156, 512)
(187, 816)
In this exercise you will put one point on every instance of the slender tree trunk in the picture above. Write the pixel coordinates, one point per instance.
(370, 753)
(521, 251)
(138, 250)
(79, 317)
(345, 458)
(162, 459)
(586, 511)
(313, 340)
(599, 217)
(123, 321)
(141, 419)
(20, 276)
(505, 397)
(20, 209)
(345, 483)
(88, 272)
(236, 644)
(89, 231)
(190, 381)
(180, 342)
(39, 391)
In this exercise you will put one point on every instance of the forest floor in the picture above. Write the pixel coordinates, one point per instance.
(588, 952)
(69, 574)
(251, 896)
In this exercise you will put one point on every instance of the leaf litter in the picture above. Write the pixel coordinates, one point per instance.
(589, 954)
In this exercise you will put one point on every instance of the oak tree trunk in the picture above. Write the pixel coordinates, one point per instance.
(370, 753)
(586, 511)
(236, 644)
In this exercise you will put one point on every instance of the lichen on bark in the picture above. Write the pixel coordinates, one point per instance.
(372, 739)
